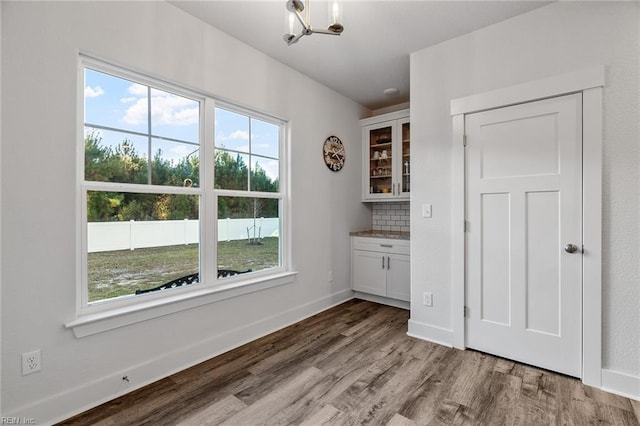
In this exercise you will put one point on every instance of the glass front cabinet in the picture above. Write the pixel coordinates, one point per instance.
(387, 157)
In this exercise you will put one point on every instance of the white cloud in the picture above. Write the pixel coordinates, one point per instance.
(173, 110)
(166, 108)
(137, 89)
(241, 135)
(136, 113)
(272, 171)
(93, 92)
(180, 151)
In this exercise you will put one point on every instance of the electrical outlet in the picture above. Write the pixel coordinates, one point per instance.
(427, 299)
(330, 276)
(31, 362)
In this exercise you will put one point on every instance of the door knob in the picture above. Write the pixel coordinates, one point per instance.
(571, 248)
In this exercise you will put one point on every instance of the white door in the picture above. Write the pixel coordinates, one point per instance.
(524, 198)
(369, 274)
(399, 277)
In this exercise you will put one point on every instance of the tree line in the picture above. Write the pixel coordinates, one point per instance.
(123, 164)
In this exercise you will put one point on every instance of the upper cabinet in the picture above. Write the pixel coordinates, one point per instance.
(387, 157)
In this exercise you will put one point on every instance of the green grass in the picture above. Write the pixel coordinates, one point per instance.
(240, 256)
(122, 272)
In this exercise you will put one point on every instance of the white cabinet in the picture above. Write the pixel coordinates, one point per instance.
(386, 167)
(369, 275)
(381, 267)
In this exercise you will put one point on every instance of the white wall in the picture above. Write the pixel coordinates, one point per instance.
(41, 41)
(559, 38)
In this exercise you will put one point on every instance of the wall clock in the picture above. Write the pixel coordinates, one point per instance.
(333, 153)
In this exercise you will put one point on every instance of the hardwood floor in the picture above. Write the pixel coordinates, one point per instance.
(355, 365)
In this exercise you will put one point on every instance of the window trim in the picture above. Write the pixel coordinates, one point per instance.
(176, 300)
(107, 314)
(283, 175)
(84, 306)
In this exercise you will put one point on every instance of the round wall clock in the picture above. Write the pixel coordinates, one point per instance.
(333, 153)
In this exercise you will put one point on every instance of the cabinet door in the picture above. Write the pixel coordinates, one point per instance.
(398, 277)
(369, 273)
(404, 155)
(380, 161)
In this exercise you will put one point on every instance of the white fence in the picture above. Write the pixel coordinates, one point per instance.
(109, 236)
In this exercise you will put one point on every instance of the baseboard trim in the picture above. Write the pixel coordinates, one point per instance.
(382, 300)
(621, 384)
(74, 401)
(430, 333)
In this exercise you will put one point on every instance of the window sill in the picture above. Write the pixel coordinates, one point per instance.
(94, 323)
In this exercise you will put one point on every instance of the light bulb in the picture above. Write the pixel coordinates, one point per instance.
(289, 23)
(334, 18)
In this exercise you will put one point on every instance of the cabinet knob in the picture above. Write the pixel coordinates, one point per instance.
(571, 248)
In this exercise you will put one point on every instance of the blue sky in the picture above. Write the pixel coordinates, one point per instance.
(121, 104)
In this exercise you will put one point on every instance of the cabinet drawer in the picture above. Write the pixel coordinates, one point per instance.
(382, 245)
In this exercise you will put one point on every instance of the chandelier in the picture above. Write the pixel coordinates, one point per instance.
(296, 7)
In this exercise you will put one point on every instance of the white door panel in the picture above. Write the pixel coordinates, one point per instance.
(369, 274)
(399, 277)
(495, 280)
(524, 177)
(543, 262)
(531, 141)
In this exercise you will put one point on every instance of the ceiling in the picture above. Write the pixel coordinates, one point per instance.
(372, 54)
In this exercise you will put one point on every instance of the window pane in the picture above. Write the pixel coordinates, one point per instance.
(248, 234)
(232, 130)
(265, 139)
(175, 163)
(174, 116)
(139, 241)
(264, 174)
(115, 156)
(231, 170)
(115, 102)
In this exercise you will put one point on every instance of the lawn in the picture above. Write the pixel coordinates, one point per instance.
(122, 272)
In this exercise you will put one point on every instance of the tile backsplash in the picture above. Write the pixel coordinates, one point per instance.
(390, 216)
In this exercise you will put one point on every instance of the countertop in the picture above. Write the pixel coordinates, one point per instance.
(396, 235)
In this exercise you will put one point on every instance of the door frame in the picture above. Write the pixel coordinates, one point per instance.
(590, 83)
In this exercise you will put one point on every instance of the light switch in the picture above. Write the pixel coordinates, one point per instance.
(427, 299)
(426, 210)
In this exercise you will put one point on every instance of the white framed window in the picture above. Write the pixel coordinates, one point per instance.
(249, 198)
(176, 191)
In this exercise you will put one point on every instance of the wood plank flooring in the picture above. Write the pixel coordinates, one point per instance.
(355, 365)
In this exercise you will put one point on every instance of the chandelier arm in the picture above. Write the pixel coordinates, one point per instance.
(295, 39)
(301, 20)
(313, 30)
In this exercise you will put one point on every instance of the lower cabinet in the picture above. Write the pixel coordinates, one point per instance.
(381, 267)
